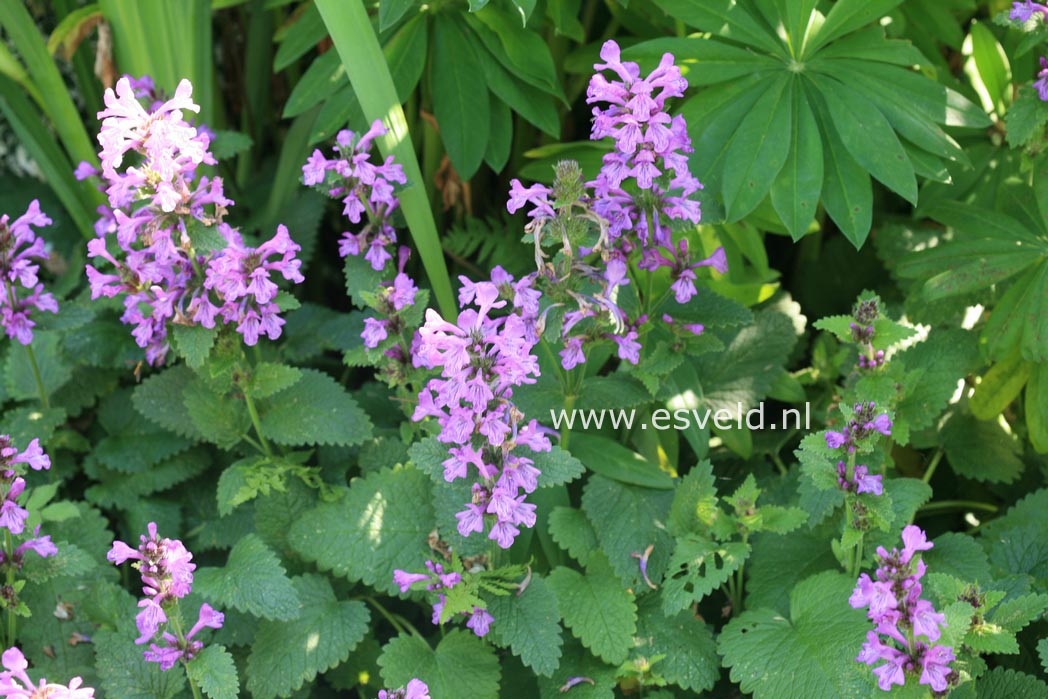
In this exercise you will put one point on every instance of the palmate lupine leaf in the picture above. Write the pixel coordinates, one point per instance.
(784, 80)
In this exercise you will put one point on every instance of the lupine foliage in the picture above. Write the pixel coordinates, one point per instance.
(254, 443)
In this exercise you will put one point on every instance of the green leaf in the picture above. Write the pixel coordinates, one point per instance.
(981, 449)
(720, 61)
(194, 343)
(573, 532)
(698, 567)
(314, 410)
(1022, 550)
(380, 525)
(845, 17)
(612, 460)
(628, 519)
(1036, 408)
(460, 98)
(529, 102)
(221, 418)
(501, 136)
(252, 581)
(684, 643)
(759, 149)
(869, 137)
(227, 144)
(406, 54)
(390, 12)
(937, 364)
(268, 378)
(770, 656)
(523, 53)
(999, 387)
(1026, 118)
(325, 76)
(1003, 683)
(124, 674)
(215, 673)
(847, 192)
(1042, 652)
(307, 31)
(55, 369)
(528, 623)
(599, 611)
(795, 191)
(461, 665)
(726, 18)
(287, 655)
(160, 399)
(558, 467)
(779, 562)
(993, 75)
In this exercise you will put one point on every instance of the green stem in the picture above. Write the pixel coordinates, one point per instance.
(41, 391)
(565, 433)
(932, 466)
(947, 505)
(857, 563)
(400, 624)
(176, 625)
(12, 619)
(253, 412)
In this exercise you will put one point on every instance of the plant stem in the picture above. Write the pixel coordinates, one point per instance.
(947, 505)
(41, 391)
(932, 466)
(12, 620)
(857, 564)
(253, 412)
(400, 624)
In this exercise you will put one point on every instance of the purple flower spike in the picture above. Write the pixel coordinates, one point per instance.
(910, 623)
(21, 251)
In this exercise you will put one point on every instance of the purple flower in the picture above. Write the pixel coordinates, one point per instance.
(15, 681)
(1041, 84)
(40, 545)
(415, 689)
(834, 440)
(1025, 9)
(910, 623)
(405, 580)
(20, 253)
(480, 621)
(374, 332)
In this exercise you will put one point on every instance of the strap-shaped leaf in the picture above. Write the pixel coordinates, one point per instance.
(460, 95)
(795, 192)
(727, 18)
(845, 17)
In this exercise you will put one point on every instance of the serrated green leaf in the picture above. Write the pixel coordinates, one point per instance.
(161, 399)
(221, 418)
(460, 666)
(268, 378)
(770, 655)
(380, 525)
(124, 674)
(1003, 683)
(698, 567)
(981, 449)
(778, 563)
(1022, 549)
(214, 673)
(573, 532)
(287, 655)
(314, 410)
(1026, 118)
(528, 623)
(943, 359)
(252, 581)
(55, 369)
(683, 642)
(596, 607)
(627, 520)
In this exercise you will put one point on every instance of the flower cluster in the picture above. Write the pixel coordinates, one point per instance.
(20, 253)
(13, 517)
(1023, 10)
(167, 575)
(364, 188)
(367, 190)
(865, 422)
(179, 262)
(864, 314)
(482, 359)
(415, 689)
(1041, 84)
(15, 681)
(643, 189)
(910, 624)
(438, 579)
(860, 480)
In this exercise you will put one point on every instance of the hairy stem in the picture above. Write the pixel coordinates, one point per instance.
(253, 412)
